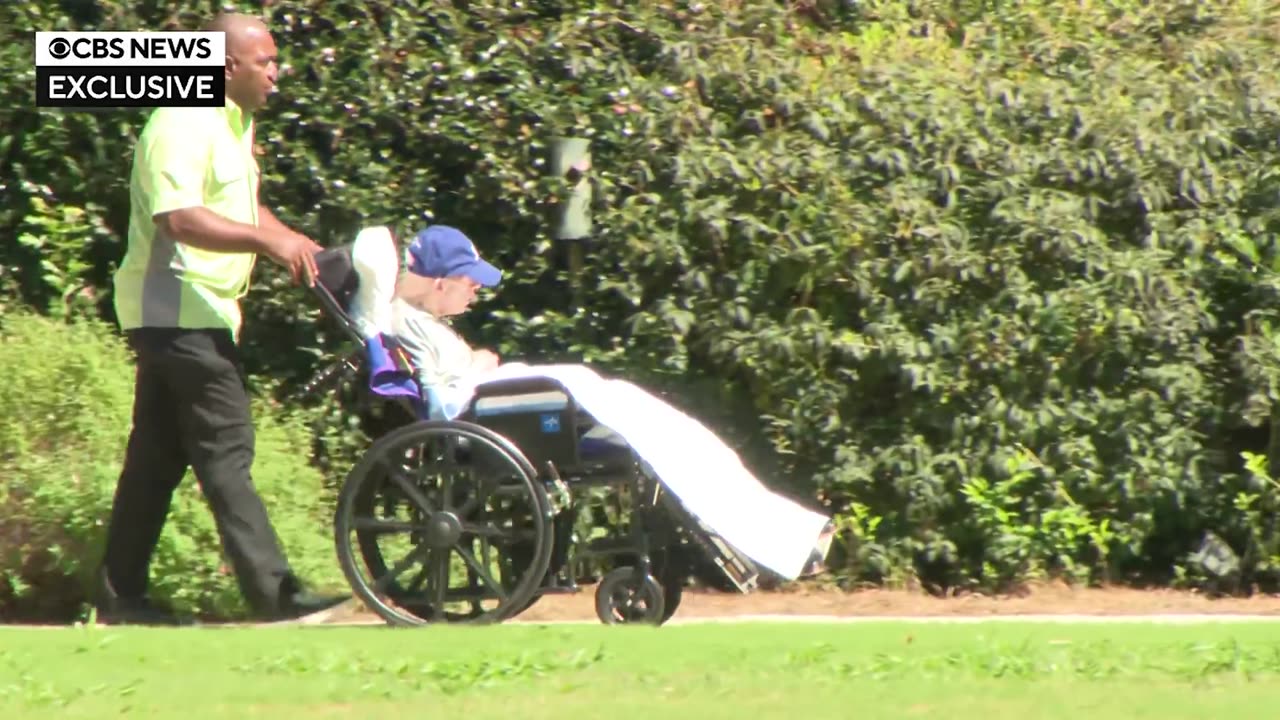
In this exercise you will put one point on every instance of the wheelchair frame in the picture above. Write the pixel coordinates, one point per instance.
(662, 543)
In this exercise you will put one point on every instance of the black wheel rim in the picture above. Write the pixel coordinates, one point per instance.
(625, 596)
(443, 522)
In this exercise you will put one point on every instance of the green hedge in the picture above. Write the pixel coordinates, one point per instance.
(66, 400)
(994, 282)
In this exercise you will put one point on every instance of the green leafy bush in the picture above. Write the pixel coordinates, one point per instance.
(66, 400)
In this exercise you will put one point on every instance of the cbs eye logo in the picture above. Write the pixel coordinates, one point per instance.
(59, 48)
(101, 46)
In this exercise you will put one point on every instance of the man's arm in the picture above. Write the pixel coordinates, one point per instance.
(173, 175)
(174, 164)
(303, 260)
(203, 228)
(269, 221)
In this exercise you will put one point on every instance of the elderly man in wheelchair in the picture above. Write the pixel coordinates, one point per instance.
(470, 512)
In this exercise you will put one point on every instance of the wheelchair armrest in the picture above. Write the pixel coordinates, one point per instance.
(522, 396)
(519, 386)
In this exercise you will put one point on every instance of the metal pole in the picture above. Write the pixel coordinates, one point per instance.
(571, 160)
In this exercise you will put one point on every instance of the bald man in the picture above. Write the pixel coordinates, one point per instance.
(196, 227)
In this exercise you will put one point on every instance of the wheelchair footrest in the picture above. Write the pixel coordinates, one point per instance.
(737, 567)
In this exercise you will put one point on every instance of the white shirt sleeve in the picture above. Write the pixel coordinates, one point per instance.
(439, 354)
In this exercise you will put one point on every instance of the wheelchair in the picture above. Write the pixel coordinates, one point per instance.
(473, 519)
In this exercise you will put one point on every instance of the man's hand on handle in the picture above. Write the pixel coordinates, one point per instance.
(297, 253)
(203, 228)
(288, 247)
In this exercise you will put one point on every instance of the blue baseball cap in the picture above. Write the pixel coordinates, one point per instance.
(441, 251)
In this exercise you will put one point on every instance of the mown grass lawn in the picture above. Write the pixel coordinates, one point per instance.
(753, 671)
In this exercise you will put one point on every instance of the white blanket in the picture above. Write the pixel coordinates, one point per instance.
(696, 466)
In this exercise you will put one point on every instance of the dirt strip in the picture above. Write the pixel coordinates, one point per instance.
(834, 603)
(814, 604)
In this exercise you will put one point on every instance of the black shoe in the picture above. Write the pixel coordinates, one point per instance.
(300, 604)
(112, 609)
(139, 612)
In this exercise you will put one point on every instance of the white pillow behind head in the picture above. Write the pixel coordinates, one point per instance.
(377, 264)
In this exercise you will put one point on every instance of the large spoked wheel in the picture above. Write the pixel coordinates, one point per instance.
(443, 522)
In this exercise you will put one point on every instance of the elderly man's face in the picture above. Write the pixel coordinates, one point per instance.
(442, 297)
(456, 294)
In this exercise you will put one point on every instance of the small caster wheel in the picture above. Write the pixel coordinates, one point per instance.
(625, 596)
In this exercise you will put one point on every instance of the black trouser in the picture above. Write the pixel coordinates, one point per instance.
(191, 409)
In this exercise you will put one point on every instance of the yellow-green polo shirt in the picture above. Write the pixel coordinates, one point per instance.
(188, 157)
